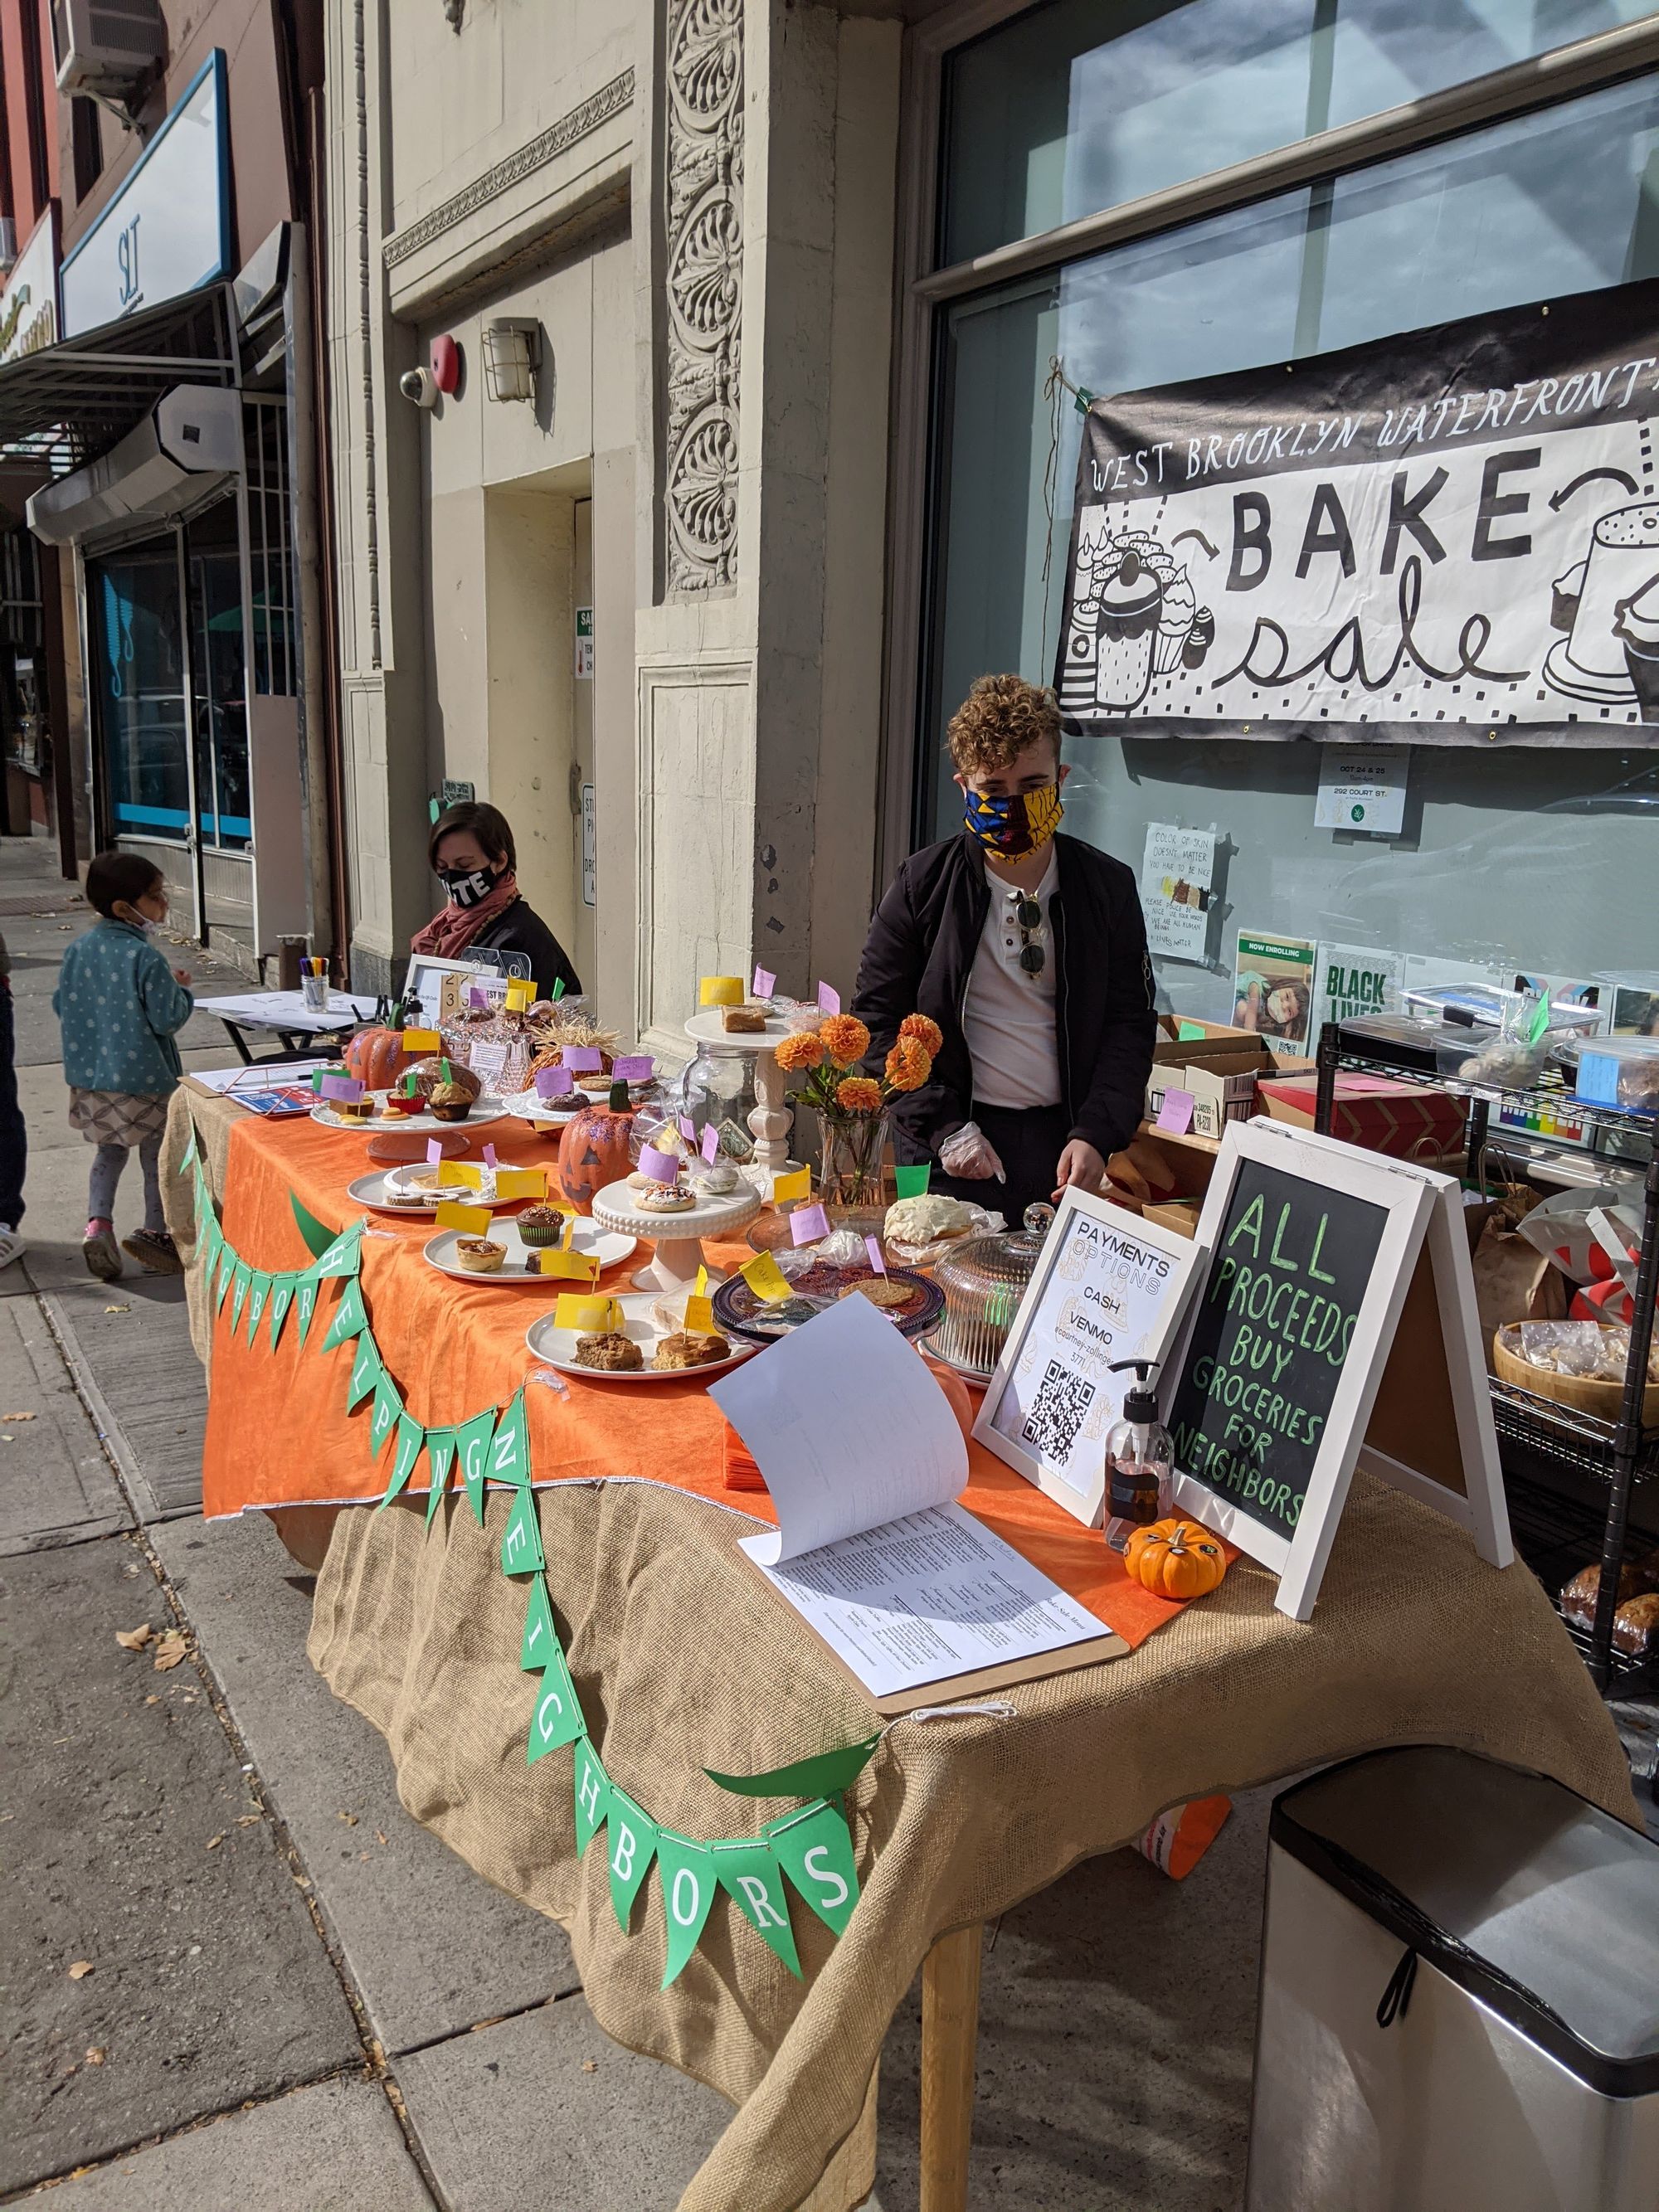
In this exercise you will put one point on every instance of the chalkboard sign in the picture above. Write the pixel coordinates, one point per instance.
(1272, 1327)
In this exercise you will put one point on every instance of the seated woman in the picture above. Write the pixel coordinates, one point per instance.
(472, 853)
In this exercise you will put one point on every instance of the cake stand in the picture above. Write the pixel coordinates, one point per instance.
(677, 1236)
(772, 1119)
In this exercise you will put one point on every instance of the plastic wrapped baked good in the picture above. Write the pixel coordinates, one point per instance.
(1578, 1598)
(1636, 1626)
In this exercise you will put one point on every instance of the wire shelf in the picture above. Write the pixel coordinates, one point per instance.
(1542, 1096)
(1557, 1535)
(1558, 1433)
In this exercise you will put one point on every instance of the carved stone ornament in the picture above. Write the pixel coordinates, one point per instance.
(704, 195)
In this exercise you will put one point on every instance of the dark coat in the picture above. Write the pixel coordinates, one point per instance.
(918, 956)
(520, 928)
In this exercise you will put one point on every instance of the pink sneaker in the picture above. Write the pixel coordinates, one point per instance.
(100, 1251)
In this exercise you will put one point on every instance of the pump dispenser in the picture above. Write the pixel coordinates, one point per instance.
(1140, 1459)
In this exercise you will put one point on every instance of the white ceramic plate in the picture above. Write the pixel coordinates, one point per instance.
(609, 1244)
(526, 1106)
(557, 1346)
(487, 1108)
(369, 1190)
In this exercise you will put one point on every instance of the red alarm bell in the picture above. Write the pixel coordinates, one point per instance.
(446, 365)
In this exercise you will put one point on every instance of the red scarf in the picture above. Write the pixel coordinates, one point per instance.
(451, 931)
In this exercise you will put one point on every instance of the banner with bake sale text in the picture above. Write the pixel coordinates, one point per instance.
(1445, 538)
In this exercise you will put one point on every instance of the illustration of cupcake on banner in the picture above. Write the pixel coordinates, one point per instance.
(1134, 616)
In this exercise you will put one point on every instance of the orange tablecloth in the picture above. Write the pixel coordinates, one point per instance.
(278, 1433)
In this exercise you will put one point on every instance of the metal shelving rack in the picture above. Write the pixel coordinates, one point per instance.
(1606, 1464)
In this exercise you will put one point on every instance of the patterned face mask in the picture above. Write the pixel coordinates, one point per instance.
(1012, 826)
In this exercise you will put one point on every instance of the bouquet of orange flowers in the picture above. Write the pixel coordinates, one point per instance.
(850, 1107)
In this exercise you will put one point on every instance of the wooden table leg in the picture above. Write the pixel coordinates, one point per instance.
(949, 2032)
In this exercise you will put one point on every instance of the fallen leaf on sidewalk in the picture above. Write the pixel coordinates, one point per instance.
(380, 1835)
(350, 1819)
(117, 1309)
(134, 1639)
(152, 1700)
(170, 1650)
(80, 1970)
(17, 1416)
(97, 2054)
(250, 1820)
(590, 2066)
(214, 1842)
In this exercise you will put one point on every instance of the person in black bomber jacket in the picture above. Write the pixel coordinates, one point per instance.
(1028, 951)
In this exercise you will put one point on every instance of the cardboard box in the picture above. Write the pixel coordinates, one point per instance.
(1221, 1070)
(1179, 1214)
(1404, 1119)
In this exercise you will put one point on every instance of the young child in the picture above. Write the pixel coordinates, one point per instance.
(120, 1007)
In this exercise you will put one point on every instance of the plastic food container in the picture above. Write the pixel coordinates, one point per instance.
(983, 1282)
(1620, 1072)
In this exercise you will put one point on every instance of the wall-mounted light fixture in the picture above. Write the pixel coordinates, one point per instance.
(512, 357)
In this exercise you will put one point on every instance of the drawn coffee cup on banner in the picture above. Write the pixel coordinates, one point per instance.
(1609, 600)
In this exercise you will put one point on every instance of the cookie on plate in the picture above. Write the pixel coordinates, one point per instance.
(690, 1347)
(663, 1198)
(879, 1291)
(611, 1353)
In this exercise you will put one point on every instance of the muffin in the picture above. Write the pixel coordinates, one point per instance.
(690, 1348)
(478, 1256)
(450, 1102)
(429, 1075)
(663, 1198)
(541, 1225)
(612, 1352)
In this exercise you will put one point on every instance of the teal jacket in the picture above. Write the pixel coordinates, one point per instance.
(118, 1007)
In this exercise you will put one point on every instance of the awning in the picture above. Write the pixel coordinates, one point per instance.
(64, 405)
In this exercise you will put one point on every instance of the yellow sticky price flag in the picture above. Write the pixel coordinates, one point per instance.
(422, 1041)
(587, 1317)
(577, 1266)
(520, 994)
(569, 1237)
(799, 1185)
(721, 991)
(521, 1182)
(699, 1288)
(470, 1172)
(470, 1220)
(700, 1314)
(765, 1279)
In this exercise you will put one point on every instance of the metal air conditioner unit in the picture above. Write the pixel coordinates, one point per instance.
(110, 50)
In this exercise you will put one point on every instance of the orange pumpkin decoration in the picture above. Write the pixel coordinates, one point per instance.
(1175, 1559)
(376, 1057)
(594, 1152)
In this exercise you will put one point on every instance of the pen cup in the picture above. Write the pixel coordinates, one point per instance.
(315, 989)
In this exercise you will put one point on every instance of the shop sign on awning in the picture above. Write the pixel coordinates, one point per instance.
(28, 299)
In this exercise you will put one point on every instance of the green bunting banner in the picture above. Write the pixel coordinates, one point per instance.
(810, 1847)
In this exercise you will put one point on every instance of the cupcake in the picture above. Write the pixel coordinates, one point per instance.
(429, 1075)
(450, 1102)
(540, 1225)
(1175, 622)
(1130, 604)
(478, 1256)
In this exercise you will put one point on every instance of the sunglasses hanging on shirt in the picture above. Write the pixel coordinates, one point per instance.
(1028, 917)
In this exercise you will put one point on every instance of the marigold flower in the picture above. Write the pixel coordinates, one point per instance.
(928, 1033)
(858, 1094)
(801, 1049)
(845, 1038)
(908, 1066)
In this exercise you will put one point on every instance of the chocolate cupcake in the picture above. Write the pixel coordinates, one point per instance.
(541, 1225)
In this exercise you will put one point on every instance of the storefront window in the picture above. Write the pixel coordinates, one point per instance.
(138, 679)
(1548, 204)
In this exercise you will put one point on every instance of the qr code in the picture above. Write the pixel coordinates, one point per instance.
(1062, 1400)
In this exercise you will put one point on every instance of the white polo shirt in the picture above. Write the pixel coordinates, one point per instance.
(1008, 1018)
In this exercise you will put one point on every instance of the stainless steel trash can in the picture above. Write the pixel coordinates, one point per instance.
(1459, 1997)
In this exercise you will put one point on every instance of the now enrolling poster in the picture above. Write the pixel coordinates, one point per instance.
(1447, 537)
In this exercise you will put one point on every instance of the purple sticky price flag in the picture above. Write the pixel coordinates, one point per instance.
(1175, 1113)
(807, 1223)
(583, 1059)
(489, 1157)
(477, 995)
(345, 1088)
(687, 1128)
(872, 1246)
(554, 1083)
(638, 1068)
(829, 999)
(434, 1151)
(764, 984)
(661, 1167)
(711, 1142)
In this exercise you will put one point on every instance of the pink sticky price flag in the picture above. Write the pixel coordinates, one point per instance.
(477, 996)
(343, 1087)
(807, 1223)
(553, 1082)
(688, 1129)
(872, 1246)
(490, 1156)
(434, 1152)
(711, 1142)
(583, 1059)
(1175, 1113)
(661, 1167)
(764, 984)
(637, 1068)
(829, 999)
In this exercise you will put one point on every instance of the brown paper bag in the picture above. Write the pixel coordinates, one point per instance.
(1510, 1284)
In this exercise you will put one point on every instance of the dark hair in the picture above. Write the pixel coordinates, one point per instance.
(488, 824)
(113, 877)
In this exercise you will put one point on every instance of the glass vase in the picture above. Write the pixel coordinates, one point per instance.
(851, 1149)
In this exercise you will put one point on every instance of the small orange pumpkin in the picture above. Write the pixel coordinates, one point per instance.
(1175, 1559)
(376, 1057)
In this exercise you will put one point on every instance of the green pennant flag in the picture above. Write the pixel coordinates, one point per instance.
(410, 1437)
(364, 1370)
(686, 1872)
(632, 1844)
(472, 1445)
(281, 1297)
(210, 1244)
(592, 1793)
(305, 1305)
(509, 1456)
(521, 1540)
(387, 1411)
(318, 1237)
(824, 1775)
(815, 1850)
(187, 1158)
(541, 1637)
(343, 1254)
(227, 1267)
(441, 1457)
(258, 1296)
(556, 1717)
(350, 1317)
(241, 1276)
(749, 1875)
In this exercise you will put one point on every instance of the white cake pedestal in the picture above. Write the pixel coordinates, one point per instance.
(677, 1237)
(771, 1121)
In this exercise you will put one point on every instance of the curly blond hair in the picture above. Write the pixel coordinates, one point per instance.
(998, 718)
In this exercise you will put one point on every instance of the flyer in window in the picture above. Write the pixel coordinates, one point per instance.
(1351, 980)
(1273, 990)
(1177, 873)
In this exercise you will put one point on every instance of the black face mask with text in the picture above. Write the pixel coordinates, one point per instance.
(466, 886)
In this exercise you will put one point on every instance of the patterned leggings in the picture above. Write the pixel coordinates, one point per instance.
(108, 1163)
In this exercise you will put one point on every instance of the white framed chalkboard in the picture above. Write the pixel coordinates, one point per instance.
(1106, 1287)
(1333, 1325)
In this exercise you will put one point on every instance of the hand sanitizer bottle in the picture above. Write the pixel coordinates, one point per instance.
(1139, 1460)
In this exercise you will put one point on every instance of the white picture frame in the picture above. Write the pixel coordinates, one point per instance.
(1150, 1275)
(423, 979)
(1422, 1211)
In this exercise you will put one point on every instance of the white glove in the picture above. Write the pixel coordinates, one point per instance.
(969, 1155)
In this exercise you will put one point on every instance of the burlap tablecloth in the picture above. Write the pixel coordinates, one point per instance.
(682, 1658)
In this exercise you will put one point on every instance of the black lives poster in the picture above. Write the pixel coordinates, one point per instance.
(1437, 538)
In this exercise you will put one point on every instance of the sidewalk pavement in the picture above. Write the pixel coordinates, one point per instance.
(236, 1972)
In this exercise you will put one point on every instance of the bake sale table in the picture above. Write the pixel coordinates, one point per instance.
(683, 1662)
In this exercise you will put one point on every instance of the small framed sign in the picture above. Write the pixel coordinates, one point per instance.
(440, 990)
(1107, 1287)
